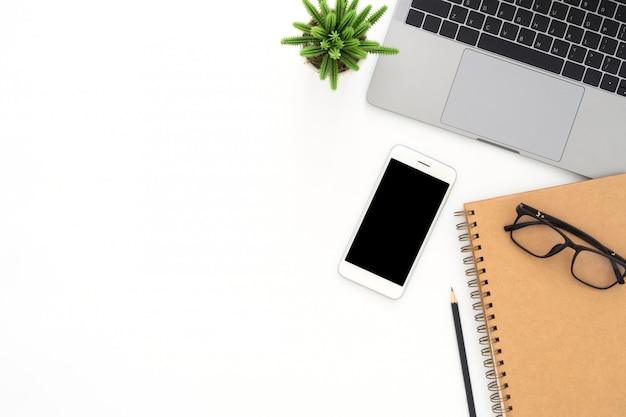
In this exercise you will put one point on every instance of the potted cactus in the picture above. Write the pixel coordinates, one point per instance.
(335, 40)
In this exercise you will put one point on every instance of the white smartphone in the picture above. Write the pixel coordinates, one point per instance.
(398, 218)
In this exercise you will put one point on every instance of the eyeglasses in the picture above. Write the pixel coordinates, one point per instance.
(541, 235)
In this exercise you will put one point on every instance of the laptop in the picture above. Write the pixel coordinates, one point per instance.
(542, 78)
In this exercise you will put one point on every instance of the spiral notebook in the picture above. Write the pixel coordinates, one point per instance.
(553, 346)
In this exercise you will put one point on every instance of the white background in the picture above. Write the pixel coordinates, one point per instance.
(176, 190)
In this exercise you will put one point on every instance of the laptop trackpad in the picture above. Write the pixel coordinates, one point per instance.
(512, 105)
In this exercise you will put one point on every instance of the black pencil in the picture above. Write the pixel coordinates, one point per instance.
(459, 338)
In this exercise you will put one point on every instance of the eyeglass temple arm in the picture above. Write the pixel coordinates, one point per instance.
(568, 227)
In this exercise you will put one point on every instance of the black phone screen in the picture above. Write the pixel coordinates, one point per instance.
(396, 222)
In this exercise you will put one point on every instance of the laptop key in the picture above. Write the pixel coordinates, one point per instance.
(527, 4)
(611, 65)
(458, 14)
(506, 11)
(509, 31)
(543, 42)
(523, 17)
(559, 48)
(448, 29)
(526, 37)
(558, 10)
(557, 29)
(607, 8)
(520, 53)
(575, 16)
(492, 25)
(594, 59)
(590, 5)
(574, 34)
(542, 6)
(609, 83)
(609, 27)
(608, 45)
(591, 40)
(593, 22)
(467, 35)
(592, 77)
(540, 23)
(475, 20)
(472, 4)
(436, 7)
(490, 7)
(415, 18)
(577, 53)
(573, 71)
(432, 23)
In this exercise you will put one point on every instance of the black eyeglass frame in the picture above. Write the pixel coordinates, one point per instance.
(556, 224)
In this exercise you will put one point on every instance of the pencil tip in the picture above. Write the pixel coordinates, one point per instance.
(452, 296)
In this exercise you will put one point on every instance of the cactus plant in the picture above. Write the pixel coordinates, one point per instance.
(335, 40)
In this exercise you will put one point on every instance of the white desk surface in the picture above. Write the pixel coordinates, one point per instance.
(176, 191)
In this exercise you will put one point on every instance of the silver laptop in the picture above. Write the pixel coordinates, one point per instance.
(543, 78)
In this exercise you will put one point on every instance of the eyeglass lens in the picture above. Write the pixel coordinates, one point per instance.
(535, 236)
(596, 269)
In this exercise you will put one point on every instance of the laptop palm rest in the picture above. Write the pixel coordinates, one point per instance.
(512, 105)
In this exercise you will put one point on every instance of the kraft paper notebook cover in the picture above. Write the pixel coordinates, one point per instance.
(556, 346)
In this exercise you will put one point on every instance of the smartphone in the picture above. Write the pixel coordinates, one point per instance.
(398, 218)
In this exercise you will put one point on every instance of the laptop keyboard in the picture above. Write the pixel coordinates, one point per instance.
(583, 40)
